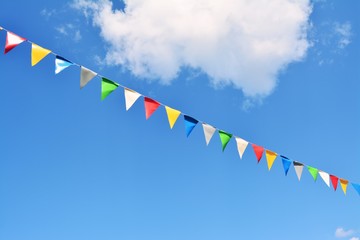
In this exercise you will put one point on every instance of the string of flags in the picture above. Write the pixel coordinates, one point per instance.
(151, 105)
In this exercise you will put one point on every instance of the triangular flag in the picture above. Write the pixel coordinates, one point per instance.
(208, 132)
(344, 184)
(334, 181)
(313, 171)
(225, 138)
(286, 164)
(241, 146)
(270, 158)
(173, 115)
(325, 176)
(190, 123)
(38, 53)
(12, 41)
(356, 187)
(298, 169)
(258, 152)
(107, 87)
(130, 97)
(85, 76)
(150, 106)
(61, 63)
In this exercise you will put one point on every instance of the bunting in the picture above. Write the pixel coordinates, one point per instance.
(190, 123)
(286, 164)
(61, 63)
(344, 184)
(12, 40)
(298, 169)
(85, 76)
(258, 152)
(241, 146)
(208, 132)
(107, 87)
(38, 53)
(130, 97)
(225, 138)
(325, 176)
(313, 171)
(270, 158)
(334, 181)
(173, 115)
(150, 106)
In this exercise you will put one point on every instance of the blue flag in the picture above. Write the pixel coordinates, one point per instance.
(356, 187)
(286, 164)
(190, 123)
(61, 63)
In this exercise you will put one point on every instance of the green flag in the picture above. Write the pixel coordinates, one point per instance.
(107, 87)
(313, 171)
(225, 138)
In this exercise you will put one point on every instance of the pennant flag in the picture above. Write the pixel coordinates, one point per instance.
(286, 164)
(208, 132)
(225, 138)
(130, 97)
(334, 181)
(258, 152)
(344, 184)
(298, 169)
(150, 106)
(61, 63)
(313, 171)
(356, 187)
(190, 123)
(325, 176)
(85, 76)
(12, 41)
(38, 53)
(270, 158)
(173, 115)
(107, 87)
(241, 146)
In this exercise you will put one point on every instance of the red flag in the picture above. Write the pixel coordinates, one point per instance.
(258, 151)
(334, 181)
(150, 106)
(12, 41)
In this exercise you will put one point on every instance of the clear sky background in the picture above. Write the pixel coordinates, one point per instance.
(284, 76)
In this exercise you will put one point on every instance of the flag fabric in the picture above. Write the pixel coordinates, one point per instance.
(344, 183)
(356, 187)
(208, 132)
(61, 63)
(130, 97)
(270, 158)
(326, 177)
(107, 87)
(12, 40)
(173, 115)
(150, 106)
(241, 145)
(313, 171)
(258, 151)
(190, 123)
(286, 164)
(225, 138)
(85, 76)
(38, 53)
(334, 181)
(298, 169)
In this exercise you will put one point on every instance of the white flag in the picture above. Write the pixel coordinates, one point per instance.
(130, 97)
(208, 132)
(241, 145)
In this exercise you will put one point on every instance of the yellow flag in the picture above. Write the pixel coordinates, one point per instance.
(270, 158)
(172, 114)
(344, 184)
(38, 53)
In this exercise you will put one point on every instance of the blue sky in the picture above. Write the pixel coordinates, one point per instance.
(75, 167)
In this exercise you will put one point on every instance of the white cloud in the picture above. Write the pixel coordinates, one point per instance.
(240, 43)
(354, 238)
(343, 32)
(69, 30)
(342, 233)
